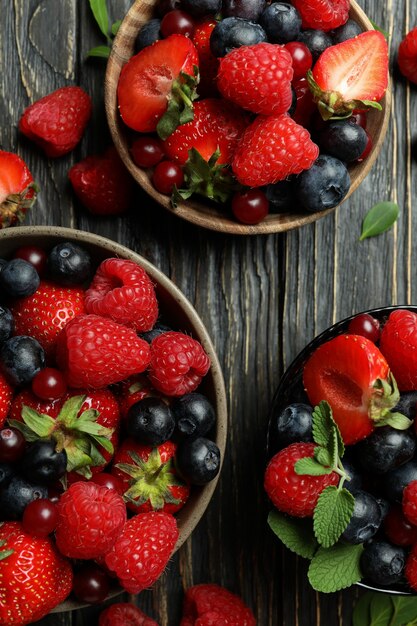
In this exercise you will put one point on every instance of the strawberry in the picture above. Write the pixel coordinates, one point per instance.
(133, 390)
(353, 376)
(271, 149)
(211, 604)
(208, 64)
(409, 502)
(149, 477)
(290, 492)
(6, 395)
(45, 313)
(143, 550)
(27, 398)
(257, 78)
(94, 351)
(124, 614)
(102, 183)
(159, 79)
(322, 14)
(57, 121)
(399, 345)
(122, 291)
(407, 56)
(17, 190)
(351, 75)
(411, 568)
(34, 577)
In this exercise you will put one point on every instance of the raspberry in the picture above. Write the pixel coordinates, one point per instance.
(399, 346)
(211, 605)
(407, 56)
(290, 492)
(409, 502)
(94, 351)
(122, 291)
(143, 550)
(398, 529)
(178, 363)
(257, 78)
(411, 568)
(323, 14)
(90, 518)
(124, 614)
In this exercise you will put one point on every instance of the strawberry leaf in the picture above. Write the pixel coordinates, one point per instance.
(27, 432)
(379, 219)
(102, 52)
(380, 30)
(4, 553)
(42, 425)
(311, 467)
(103, 442)
(332, 514)
(295, 533)
(99, 9)
(335, 568)
(180, 105)
(68, 415)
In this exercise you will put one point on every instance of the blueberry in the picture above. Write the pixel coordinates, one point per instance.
(199, 8)
(69, 264)
(344, 140)
(348, 31)
(42, 463)
(385, 449)
(248, 9)
(294, 423)
(365, 521)
(396, 480)
(150, 421)
(407, 404)
(21, 358)
(280, 196)
(6, 324)
(384, 505)
(16, 496)
(6, 474)
(355, 483)
(3, 264)
(317, 41)
(158, 329)
(234, 32)
(19, 278)
(148, 34)
(281, 22)
(383, 563)
(198, 460)
(194, 414)
(324, 185)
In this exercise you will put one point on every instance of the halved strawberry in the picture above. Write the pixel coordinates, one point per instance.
(353, 376)
(351, 75)
(159, 79)
(6, 395)
(17, 190)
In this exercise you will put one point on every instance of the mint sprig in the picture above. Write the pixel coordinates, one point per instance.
(335, 568)
(376, 609)
(101, 16)
(295, 533)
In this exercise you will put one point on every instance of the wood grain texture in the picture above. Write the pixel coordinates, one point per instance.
(261, 298)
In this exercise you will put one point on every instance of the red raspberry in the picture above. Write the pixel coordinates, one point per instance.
(409, 502)
(178, 363)
(208, 63)
(290, 492)
(143, 550)
(90, 519)
(211, 605)
(271, 149)
(257, 78)
(57, 122)
(399, 346)
(398, 529)
(123, 291)
(94, 351)
(411, 568)
(407, 56)
(323, 14)
(6, 395)
(124, 614)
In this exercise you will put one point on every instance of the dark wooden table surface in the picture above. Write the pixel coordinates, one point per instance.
(261, 298)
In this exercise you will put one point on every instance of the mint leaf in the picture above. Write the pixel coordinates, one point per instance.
(311, 467)
(332, 514)
(99, 9)
(362, 614)
(322, 423)
(381, 610)
(335, 568)
(295, 533)
(379, 219)
(100, 51)
(322, 456)
(405, 610)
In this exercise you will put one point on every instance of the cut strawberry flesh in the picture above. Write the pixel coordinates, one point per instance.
(14, 175)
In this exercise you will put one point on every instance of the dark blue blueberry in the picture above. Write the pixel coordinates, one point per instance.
(198, 460)
(366, 519)
(280, 196)
(396, 481)
(324, 185)
(148, 34)
(355, 483)
(383, 563)
(6, 474)
(69, 264)
(16, 496)
(194, 415)
(3, 264)
(21, 358)
(384, 505)
(348, 31)
(19, 278)
(234, 32)
(6, 324)
(385, 449)
(199, 8)
(343, 139)
(248, 9)
(150, 421)
(294, 423)
(407, 404)
(42, 463)
(158, 329)
(317, 41)
(281, 22)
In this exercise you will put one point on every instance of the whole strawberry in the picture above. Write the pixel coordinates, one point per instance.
(34, 578)
(257, 78)
(323, 14)
(17, 190)
(271, 149)
(407, 56)
(411, 568)
(57, 122)
(132, 390)
(212, 604)
(399, 345)
(409, 502)
(124, 614)
(6, 395)
(143, 550)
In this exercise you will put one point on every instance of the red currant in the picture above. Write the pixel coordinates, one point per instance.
(147, 151)
(398, 529)
(108, 480)
(12, 445)
(367, 150)
(33, 255)
(366, 326)
(302, 59)
(91, 584)
(177, 23)
(39, 518)
(250, 207)
(305, 103)
(167, 174)
(49, 384)
(359, 117)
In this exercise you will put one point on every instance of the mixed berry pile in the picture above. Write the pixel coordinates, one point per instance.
(103, 433)
(258, 106)
(343, 472)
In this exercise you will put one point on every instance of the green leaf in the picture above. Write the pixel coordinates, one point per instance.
(322, 456)
(295, 533)
(362, 613)
(104, 443)
(311, 467)
(335, 568)
(99, 9)
(5, 553)
(115, 27)
(180, 105)
(41, 424)
(395, 420)
(381, 30)
(332, 514)
(68, 415)
(379, 219)
(27, 432)
(322, 423)
(381, 610)
(405, 610)
(99, 51)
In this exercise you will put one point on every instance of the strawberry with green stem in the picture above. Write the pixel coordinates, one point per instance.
(17, 189)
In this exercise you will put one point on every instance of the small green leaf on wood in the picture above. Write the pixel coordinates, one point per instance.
(379, 219)
(295, 533)
(405, 610)
(332, 514)
(115, 27)
(380, 30)
(381, 610)
(362, 611)
(103, 52)
(99, 9)
(335, 568)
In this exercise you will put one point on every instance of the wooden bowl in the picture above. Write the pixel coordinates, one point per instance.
(204, 213)
(180, 314)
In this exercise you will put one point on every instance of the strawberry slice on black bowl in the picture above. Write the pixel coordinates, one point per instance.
(342, 454)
